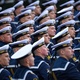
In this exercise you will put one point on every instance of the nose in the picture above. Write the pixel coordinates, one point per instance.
(72, 50)
(55, 30)
(48, 17)
(29, 17)
(9, 58)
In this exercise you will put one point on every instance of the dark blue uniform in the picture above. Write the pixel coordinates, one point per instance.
(4, 74)
(50, 54)
(14, 27)
(41, 68)
(12, 65)
(65, 70)
(24, 73)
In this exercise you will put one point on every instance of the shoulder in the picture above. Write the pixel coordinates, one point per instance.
(60, 64)
(5, 74)
(41, 63)
(5, 71)
(29, 75)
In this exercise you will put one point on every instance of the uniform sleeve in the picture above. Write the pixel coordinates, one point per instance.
(44, 69)
(6, 75)
(73, 72)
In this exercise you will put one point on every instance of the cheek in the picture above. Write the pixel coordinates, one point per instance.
(46, 39)
(45, 51)
(4, 60)
(69, 53)
(52, 31)
(9, 37)
(32, 61)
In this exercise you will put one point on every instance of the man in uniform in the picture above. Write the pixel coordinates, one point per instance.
(23, 17)
(18, 7)
(62, 68)
(5, 36)
(29, 24)
(4, 61)
(41, 68)
(26, 60)
(22, 34)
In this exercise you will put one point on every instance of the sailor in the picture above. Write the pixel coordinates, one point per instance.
(5, 36)
(5, 22)
(4, 61)
(32, 8)
(67, 4)
(18, 7)
(15, 46)
(25, 60)
(43, 17)
(41, 68)
(51, 32)
(52, 12)
(22, 34)
(37, 9)
(65, 17)
(69, 24)
(62, 65)
(23, 17)
(51, 3)
(76, 7)
(26, 24)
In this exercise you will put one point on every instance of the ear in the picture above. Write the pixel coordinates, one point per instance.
(62, 51)
(27, 60)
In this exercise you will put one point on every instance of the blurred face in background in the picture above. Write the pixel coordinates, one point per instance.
(37, 10)
(26, 36)
(33, 15)
(44, 19)
(52, 14)
(18, 10)
(47, 38)
(72, 31)
(7, 38)
(78, 7)
(4, 59)
(51, 31)
(67, 52)
(31, 30)
(25, 18)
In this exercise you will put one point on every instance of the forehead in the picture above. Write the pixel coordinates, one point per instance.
(4, 54)
(8, 24)
(6, 34)
(51, 27)
(37, 6)
(66, 48)
(46, 34)
(43, 46)
(72, 27)
(52, 11)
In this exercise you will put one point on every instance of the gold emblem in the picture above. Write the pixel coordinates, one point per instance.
(35, 79)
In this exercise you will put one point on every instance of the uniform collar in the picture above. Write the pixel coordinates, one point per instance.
(39, 58)
(63, 58)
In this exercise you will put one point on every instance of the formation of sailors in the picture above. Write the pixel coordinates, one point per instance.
(37, 44)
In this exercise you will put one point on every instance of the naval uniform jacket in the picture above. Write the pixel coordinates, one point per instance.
(41, 68)
(65, 70)
(4, 74)
(24, 73)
